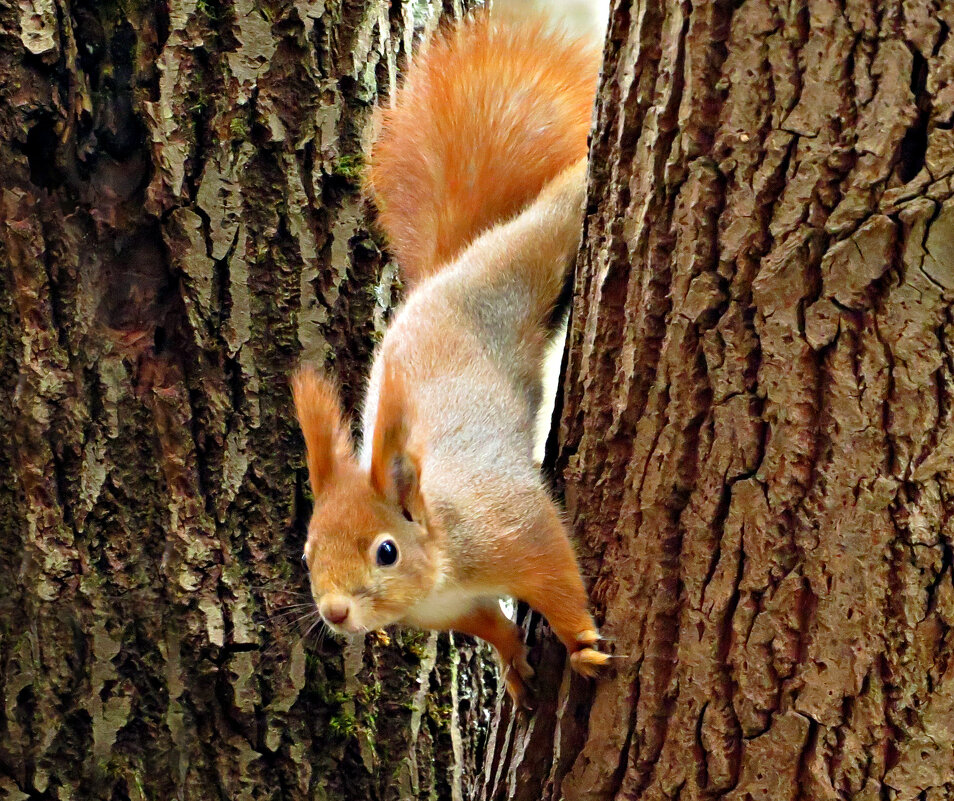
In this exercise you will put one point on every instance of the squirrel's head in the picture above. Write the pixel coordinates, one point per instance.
(369, 553)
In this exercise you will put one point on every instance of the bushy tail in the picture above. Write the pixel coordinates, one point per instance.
(490, 111)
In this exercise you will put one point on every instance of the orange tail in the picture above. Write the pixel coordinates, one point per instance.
(489, 112)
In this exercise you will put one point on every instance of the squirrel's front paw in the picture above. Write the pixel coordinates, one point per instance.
(586, 660)
(516, 674)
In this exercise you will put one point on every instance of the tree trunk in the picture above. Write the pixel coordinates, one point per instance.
(180, 225)
(757, 434)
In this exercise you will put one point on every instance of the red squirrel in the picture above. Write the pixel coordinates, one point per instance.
(478, 174)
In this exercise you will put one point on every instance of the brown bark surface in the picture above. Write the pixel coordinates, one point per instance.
(179, 226)
(758, 425)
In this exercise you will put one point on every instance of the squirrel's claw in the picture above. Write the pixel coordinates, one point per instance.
(586, 660)
(516, 675)
(522, 666)
(517, 689)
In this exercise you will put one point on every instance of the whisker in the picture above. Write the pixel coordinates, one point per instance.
(288, 607)
(293, 617)
(277, 587)
(322, 633)
(286, 627)
(311, 628)
(282, 622)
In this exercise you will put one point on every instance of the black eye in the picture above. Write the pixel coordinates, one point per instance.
(304, 561)
(387, 553)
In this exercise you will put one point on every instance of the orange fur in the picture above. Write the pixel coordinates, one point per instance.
(489, 113)
(327, 440)
(480, 177)
(490, 624)
(394, 470)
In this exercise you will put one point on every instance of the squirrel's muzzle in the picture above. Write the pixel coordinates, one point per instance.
(335, 609)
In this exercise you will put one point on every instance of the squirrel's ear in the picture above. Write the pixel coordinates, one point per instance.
(395, 471)
(327, 440)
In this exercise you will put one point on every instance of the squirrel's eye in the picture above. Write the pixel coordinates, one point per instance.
(387, 553)
(304, 561)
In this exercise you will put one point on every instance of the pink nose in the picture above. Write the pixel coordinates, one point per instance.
(335, 610)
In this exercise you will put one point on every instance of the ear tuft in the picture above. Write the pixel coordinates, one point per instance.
(395, 472)
(327, 440)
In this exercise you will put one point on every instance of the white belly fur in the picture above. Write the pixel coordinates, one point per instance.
(447, 604)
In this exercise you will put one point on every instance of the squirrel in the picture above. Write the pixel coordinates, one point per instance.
(478, 173)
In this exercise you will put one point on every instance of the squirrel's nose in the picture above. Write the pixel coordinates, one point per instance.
(335, 610)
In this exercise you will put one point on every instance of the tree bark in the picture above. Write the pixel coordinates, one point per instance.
(757, 431)
(180, 225)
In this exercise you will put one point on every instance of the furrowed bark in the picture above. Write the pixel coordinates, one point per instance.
(180, 225)
(757, 432)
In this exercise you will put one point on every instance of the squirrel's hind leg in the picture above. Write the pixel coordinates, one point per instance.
(551, 584)
(489, 623)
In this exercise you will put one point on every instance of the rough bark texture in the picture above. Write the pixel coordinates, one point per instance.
(758, 426)
(179, 226)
